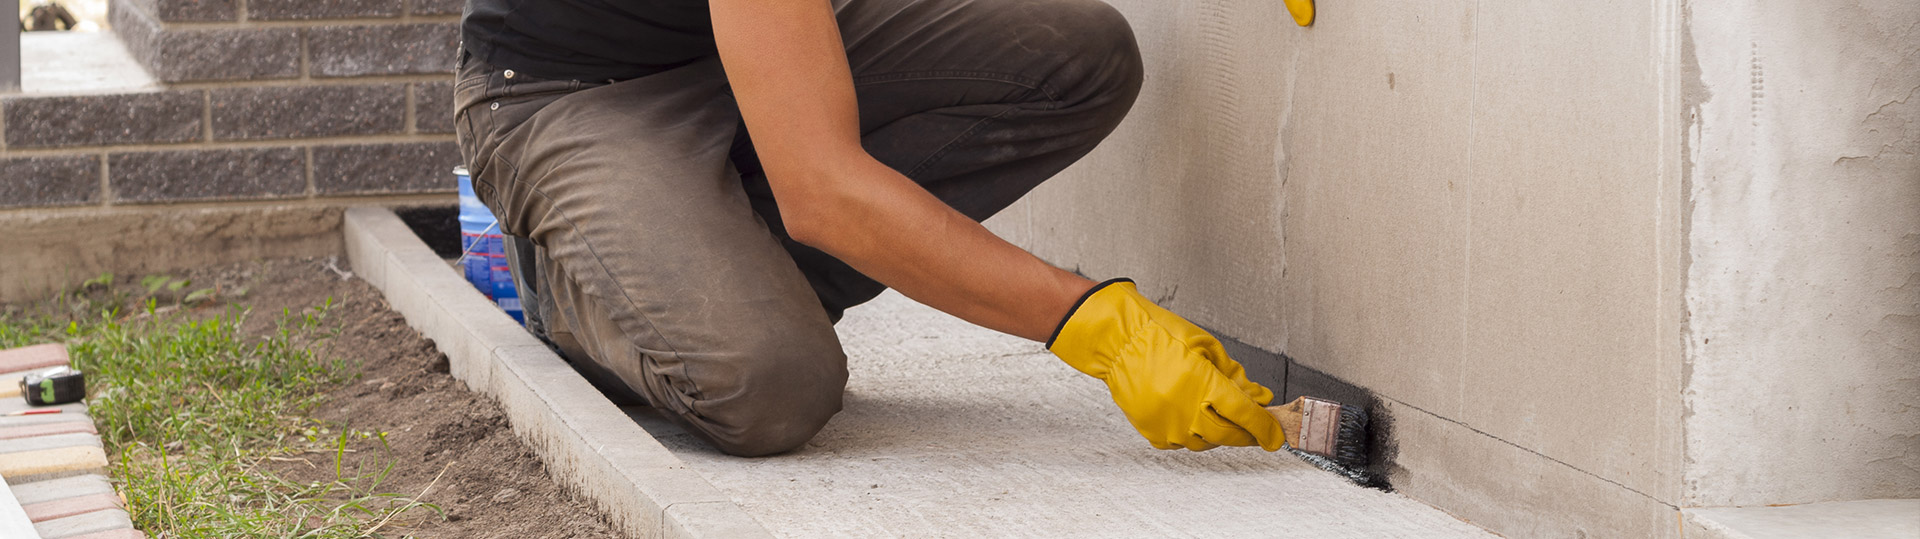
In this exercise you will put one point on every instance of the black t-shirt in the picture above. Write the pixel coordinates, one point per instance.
(588, 39)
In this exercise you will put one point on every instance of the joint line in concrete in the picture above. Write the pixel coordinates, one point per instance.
(1528, 450)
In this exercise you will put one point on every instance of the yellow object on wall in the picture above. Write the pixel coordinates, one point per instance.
(1302, 11)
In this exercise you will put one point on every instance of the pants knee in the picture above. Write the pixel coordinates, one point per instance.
(1110, 36)
(1104, 71)
(773, 399)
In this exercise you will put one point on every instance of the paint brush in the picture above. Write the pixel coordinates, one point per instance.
(1327, 434)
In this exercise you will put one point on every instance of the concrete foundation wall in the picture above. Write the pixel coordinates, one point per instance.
(49, 249)
(1804, 285)
(1480, 210)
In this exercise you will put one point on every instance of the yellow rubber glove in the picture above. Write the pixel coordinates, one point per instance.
(1302, 11)
(1172, 379)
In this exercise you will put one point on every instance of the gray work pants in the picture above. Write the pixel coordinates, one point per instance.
(663, 271)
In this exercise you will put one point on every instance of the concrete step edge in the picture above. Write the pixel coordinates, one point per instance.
(587, 443)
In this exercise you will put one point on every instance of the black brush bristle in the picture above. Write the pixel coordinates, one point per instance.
(1350, 447)
(1349, 457)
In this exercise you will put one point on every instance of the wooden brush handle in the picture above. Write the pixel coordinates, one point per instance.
(1311, 425)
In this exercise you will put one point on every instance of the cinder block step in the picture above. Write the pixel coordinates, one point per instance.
(48, 429)
(55, 441)
(50, 462)
(63, 508)
(28, 358)
(85, 523)
(65, 487)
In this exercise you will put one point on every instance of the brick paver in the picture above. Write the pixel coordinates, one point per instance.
(84, 523)
(28, 358)
(49, 429)
(53, 462)
(67, 507)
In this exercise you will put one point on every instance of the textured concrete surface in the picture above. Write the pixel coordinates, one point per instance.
(953, 430)
(586, 442)
(1804, 287)
(1862, 519)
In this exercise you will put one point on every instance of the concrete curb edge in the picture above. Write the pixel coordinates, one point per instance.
(587, 443)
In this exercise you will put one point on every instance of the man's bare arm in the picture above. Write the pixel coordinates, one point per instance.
(789, 73)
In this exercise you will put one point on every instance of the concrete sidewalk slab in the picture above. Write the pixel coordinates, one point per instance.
(954, 430)
(1860, 519)
(949, 430)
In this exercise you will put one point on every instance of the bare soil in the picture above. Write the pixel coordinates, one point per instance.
(487, 481)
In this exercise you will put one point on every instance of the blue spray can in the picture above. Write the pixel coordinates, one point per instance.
(503, 290)
(476, 222)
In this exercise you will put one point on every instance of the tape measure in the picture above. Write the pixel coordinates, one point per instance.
(58, 385)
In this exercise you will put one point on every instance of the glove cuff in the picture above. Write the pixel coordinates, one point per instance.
(1076, 307)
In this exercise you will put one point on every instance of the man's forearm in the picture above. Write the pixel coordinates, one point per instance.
(789, 73)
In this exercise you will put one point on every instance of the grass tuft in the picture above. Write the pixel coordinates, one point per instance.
(191, 409)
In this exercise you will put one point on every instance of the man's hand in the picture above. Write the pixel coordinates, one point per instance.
(1172, 379)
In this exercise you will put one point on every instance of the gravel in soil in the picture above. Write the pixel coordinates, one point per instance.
(488, 482)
